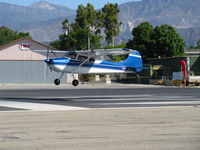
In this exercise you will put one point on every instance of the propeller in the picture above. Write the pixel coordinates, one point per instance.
(47, 53)
(48, 62)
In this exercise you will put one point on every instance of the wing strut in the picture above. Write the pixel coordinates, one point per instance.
(75, 82)
(83, 62)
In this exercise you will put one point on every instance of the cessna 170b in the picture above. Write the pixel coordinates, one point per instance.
(92, 62)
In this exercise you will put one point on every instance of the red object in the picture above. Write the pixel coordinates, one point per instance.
(183, 66)
(25, 46)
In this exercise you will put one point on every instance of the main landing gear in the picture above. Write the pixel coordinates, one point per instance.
(57, 81)
(75, 82)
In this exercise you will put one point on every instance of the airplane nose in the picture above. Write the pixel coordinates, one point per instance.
(48, 61)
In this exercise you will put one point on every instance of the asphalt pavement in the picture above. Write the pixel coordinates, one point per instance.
(101, 96)
(119, 117)
(172, 128)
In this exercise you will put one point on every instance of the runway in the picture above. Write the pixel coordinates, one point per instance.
(97, 98)
(112, 117)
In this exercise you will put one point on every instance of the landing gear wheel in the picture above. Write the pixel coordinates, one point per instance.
(57, 82)
(75, 82)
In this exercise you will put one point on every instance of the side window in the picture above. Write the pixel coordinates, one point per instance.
(82, 58)
(91, 60)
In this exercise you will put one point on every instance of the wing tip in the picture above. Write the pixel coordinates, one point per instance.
(128, 49)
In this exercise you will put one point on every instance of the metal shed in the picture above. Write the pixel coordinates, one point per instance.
(21, 65)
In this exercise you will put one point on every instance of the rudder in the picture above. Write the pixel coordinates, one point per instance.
(134, 60)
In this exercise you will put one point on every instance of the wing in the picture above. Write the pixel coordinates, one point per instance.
(54, 53)
(87, 53)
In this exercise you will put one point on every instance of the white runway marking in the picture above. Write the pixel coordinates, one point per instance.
(93, 102)
(101, 96)
(38, 106)
(124, 97)
(133, 98)
(155, 103)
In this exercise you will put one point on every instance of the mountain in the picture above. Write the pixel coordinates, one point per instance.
(39, 18)
(181, 14)
(43, 20)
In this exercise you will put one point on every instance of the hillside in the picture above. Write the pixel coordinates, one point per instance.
(43, 19)
(181, 14)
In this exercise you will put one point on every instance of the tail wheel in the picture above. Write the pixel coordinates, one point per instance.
(57, 82)
(75, 82)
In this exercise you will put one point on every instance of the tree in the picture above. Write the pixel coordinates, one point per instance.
(110, 21)
(66, 26)
(79, 34)
(85, 32)
(167, 42)
(8, 35)
(86, 16)
(142, 39)
(198, 44)
(87, 22)
(161, 41)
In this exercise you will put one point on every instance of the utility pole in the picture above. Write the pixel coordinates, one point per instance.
(89, 39)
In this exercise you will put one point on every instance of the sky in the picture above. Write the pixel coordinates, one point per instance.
(73, 4)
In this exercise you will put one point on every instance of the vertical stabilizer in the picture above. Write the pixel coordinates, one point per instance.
(134, 60)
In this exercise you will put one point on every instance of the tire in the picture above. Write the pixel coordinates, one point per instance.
(75, 82)
(57, 82)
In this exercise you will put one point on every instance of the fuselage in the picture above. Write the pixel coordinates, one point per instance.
(68, 65)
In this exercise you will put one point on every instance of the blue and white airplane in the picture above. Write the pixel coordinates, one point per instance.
(90, 62)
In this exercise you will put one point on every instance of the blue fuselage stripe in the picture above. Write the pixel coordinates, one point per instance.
(89, 65)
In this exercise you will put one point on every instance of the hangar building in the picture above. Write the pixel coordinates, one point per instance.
(20, 65)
